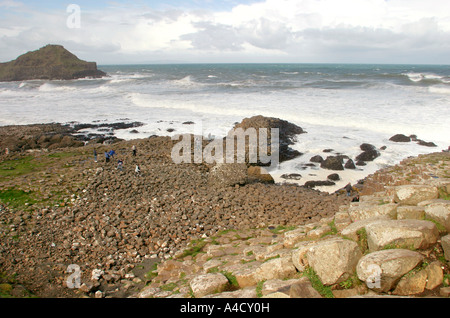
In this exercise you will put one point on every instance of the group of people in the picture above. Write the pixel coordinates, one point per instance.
(110, 155)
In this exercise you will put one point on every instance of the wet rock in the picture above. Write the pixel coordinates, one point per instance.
(400, 138)
(350, 164)
(291, 176)
(332, 163)
(313, 183)
(317, 159)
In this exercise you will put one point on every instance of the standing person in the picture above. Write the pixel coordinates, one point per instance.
(120, 165)
(95, 155)
(137, 170)
(134, 150)
(106, 156)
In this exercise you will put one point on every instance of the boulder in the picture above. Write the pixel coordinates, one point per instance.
(290, 238)
(332, 163)
(334, 177)
(299, 258)
(349, 164)
(278, 268)
(206, 284)
(361, 210)
(417, 234)
(410, 212)
(368, 155)
(439, 211)
(412, 194)
(445, 243)
(426, 143)
(291, 176)
(367, 147)
(400, 138)
(381, 270)
(245, 273)
(317, 159)
(435, 275)
(334, 260)
(411, 284)
(315, 183)
(351, 231)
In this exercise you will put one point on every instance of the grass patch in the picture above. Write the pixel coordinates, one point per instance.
(443, 195)
(259, 288)
(152, 273)
(197, 247)
(18, 167)
(231, 278)
(362, 240)
(62, 155)
(17, 198)
(323, 290)
(280, 229)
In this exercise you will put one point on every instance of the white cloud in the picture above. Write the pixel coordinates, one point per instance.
(284, 30)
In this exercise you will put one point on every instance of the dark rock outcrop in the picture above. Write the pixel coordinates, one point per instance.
(400, 138)
(287, 133)
(52, 62)
(369, 153)
(316, 158)
(313, 183)
(349, 164)
(291, 176)
(332, 163)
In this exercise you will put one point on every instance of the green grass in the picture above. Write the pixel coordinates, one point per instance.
(197, 247)
(316, 283)
(280, 229)
(17, 198)
(18, 167)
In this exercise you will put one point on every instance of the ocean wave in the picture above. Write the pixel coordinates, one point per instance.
(48, 87)
(186, 81)
(426, 77)
(439, 90)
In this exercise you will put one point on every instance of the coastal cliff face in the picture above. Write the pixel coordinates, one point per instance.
(52, 62)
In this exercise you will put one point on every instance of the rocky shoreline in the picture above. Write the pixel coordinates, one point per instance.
(63, 208)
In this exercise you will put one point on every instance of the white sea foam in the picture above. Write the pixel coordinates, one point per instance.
(338, 111)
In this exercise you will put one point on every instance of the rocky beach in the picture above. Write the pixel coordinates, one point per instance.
(171, 229)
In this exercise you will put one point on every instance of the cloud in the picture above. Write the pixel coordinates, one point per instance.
(270, 30)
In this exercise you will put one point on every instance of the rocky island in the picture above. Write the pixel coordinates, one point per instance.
(52, 62)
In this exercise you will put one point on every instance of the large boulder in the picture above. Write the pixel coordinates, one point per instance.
(362, 210)
(381, 270)
(412, 194)
(334, 260)
(332, 163)
(206, 284)
(416, 234)
(400, 138)
(439, 211)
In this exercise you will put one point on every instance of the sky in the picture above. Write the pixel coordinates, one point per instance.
(231, 31)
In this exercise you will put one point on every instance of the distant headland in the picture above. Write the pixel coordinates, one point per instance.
(51, 62)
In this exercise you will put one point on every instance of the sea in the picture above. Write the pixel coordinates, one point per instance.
(340, 106)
